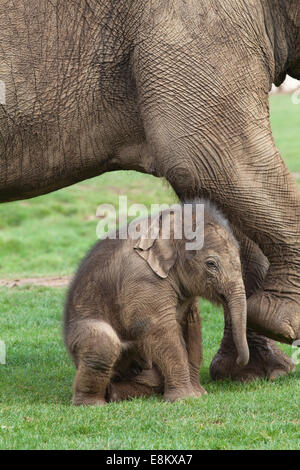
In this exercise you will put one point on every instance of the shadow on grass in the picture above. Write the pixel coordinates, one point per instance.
(39, 370)
(46, 377)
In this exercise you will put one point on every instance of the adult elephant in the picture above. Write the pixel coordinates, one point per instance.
(175, 88)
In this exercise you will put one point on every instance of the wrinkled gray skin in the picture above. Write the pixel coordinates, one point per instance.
(135, 301)
(178, 89)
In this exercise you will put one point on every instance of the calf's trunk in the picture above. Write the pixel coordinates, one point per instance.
(237, 306)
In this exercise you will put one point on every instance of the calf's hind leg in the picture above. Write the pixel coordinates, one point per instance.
(95, 348)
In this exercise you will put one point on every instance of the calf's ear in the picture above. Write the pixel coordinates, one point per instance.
(159, 254)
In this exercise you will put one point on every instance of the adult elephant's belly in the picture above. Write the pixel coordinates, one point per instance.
(45, 153)
(67, 109)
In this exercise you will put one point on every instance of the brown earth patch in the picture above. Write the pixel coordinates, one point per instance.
(62, 281)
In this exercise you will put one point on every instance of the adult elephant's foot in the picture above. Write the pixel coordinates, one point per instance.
(266, 360)
(276, 314)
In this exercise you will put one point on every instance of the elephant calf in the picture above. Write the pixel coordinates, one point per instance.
(133, 307)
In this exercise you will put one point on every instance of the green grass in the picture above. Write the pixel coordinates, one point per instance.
(285, 120)
(35, 411)
(48, 236)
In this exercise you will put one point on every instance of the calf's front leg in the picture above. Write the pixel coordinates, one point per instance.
(166, 345)
(151, 382)
(192, 333)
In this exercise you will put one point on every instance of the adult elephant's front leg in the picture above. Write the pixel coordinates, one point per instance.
(210, 141)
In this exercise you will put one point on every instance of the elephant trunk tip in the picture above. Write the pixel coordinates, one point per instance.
(243, 358)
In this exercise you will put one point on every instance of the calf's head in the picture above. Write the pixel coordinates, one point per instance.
(212, 271)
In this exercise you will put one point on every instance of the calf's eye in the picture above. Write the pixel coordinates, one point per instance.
(211, 264)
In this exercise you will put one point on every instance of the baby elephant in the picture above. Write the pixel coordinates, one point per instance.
(133, 307)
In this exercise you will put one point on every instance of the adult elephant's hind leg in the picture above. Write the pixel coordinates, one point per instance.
(267, 214)
(211, 141)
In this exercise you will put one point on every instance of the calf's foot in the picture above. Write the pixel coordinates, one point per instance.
(173, 395)
(145, 384)
(199, 390)
(80, 399)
